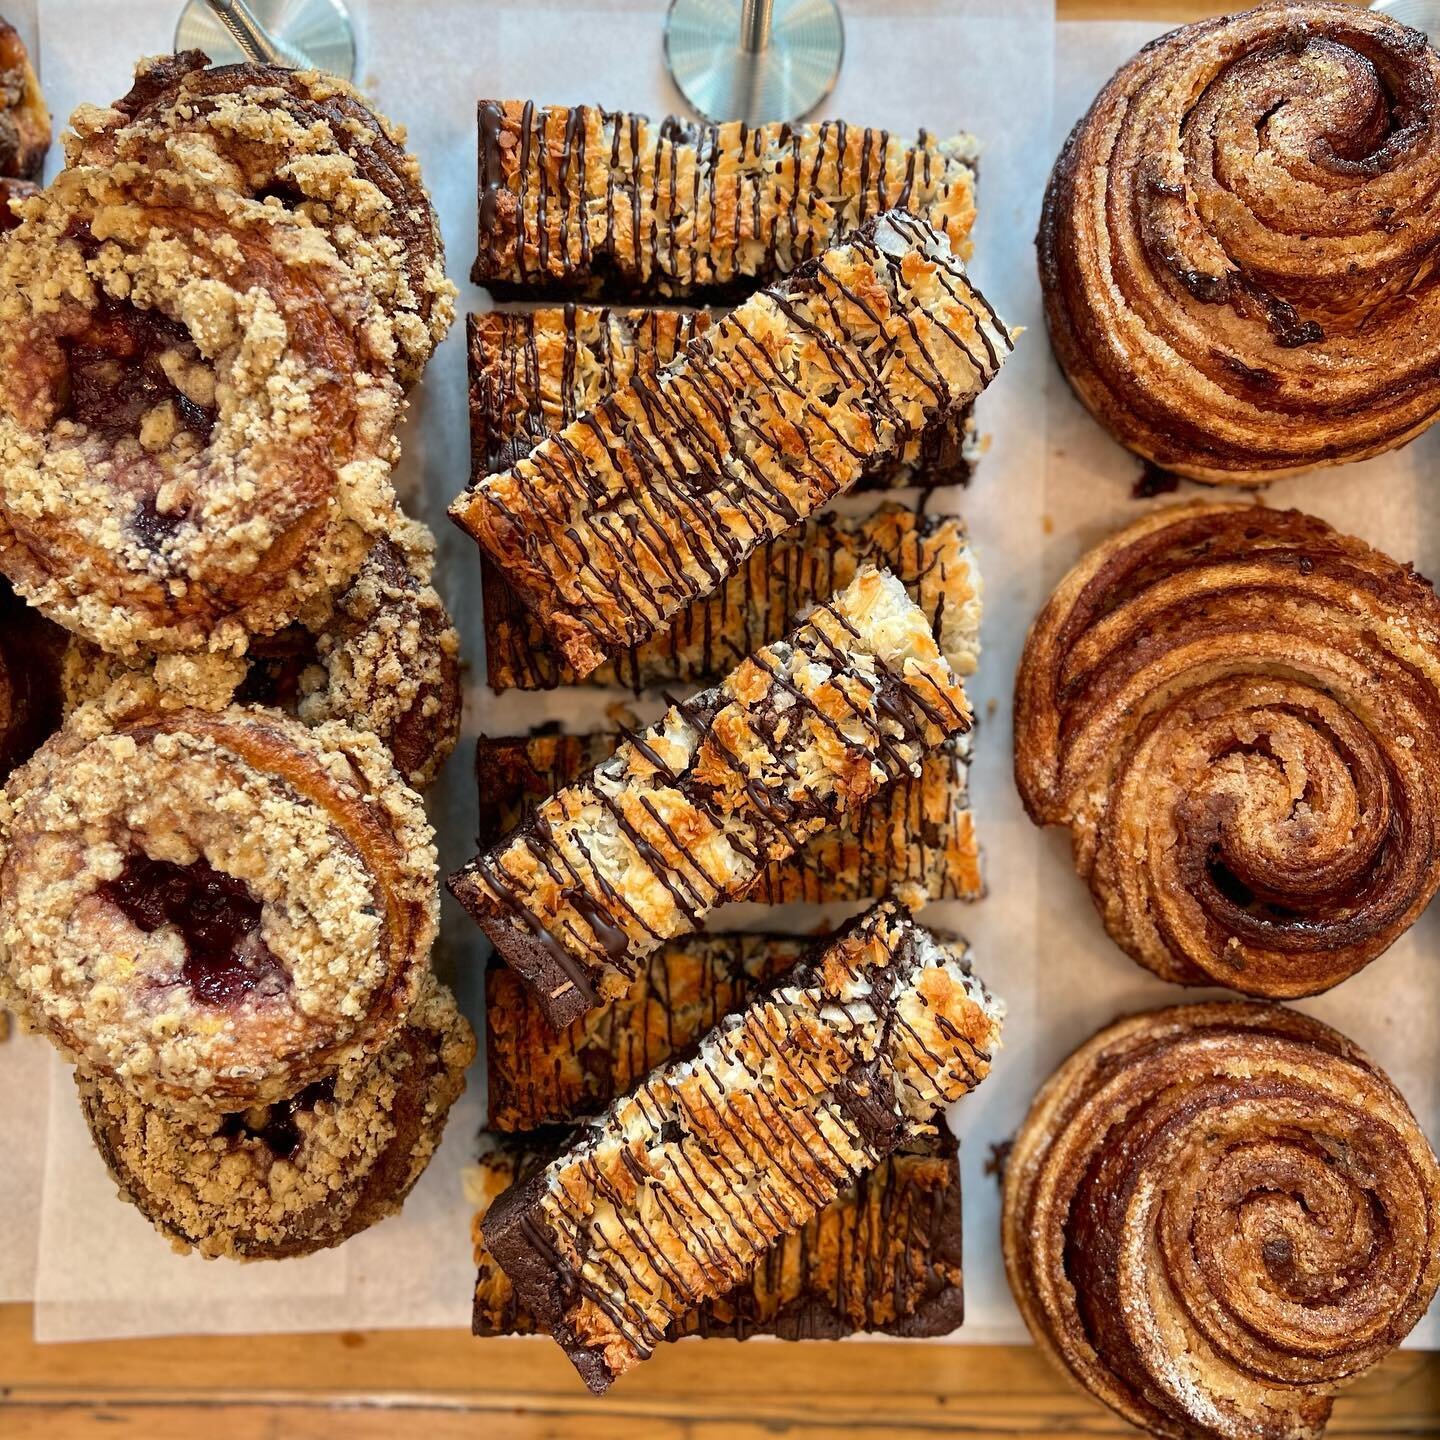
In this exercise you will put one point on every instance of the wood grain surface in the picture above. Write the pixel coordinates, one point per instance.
(443, 1384)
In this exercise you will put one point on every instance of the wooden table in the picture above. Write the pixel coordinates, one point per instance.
(446, 1384)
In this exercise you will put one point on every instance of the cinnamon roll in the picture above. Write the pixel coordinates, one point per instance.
(195, 414)
(1216, 1215)
(1236, 711)
(1238, 244)
(300, 141)
(24, 117)
(307, 1172)
(214, 910)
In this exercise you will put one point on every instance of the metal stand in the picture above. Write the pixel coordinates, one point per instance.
(299, 34)
(1421, 15)
(754, 60)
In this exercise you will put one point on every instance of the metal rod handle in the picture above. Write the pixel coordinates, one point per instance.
(252, 37)
(755, 20)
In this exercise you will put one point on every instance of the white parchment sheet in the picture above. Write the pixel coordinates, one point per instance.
(1032, 508)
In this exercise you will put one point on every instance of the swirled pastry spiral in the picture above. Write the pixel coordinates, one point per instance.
(25, 129)
(1239, 240)
(196, 412)
(1237, 713)
(1215, 1215)
(302, 141)
(214, 910)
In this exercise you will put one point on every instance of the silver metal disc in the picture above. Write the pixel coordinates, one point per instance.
(1422, 15)
(321, 29)
(784, 81)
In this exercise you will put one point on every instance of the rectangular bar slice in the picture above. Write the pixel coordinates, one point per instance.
(688, 814)
(645, 504)
(920, 831)
(533, 372)
(884, 1256)
(930, 555)
(671, 1197)
(583, 201)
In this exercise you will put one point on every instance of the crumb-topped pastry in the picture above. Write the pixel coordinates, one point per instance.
(24, 117)
(671, 1197)
(1218, 1215)
(586, 200)
(929, 554)
(687, 814)
(919, 831)
(884, 1255)
(196, 412)
(610, 527)
(301, 1174)
(214, 909)
(302, 141)
(533, 372)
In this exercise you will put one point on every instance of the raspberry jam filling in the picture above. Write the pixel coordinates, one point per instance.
(278, 1131)
(218, 919)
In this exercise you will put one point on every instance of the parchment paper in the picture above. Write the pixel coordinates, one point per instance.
(1032, 508)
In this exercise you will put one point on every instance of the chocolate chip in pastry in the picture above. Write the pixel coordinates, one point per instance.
(215, 910)
(25, 129)
(1236, 712)
(303, 1173)
(1217, 1215)
(1238, 243)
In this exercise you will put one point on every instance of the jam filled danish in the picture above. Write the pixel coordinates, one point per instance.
(214, 910)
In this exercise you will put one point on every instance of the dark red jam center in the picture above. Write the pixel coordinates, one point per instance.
(276, 664)
(280, 1133)
(217, 917)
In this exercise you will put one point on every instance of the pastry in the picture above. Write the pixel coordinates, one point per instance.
(885, 1255)
(538, 1076)
(1216, 1215)
(587, 201)
(919, 831)
(195, 413)
(31, 665)
(24, 116)
(1237, 244)
(533, 372)
(687, 814)
(930, 554)
(383, 656)
(672, 1196)
(609, 528)
(214, 910)
(1236, 711)
(299, 1175)
(302, 142)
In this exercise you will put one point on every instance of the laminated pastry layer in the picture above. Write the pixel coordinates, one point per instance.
(649, 501)
(533, 372)
(583, 201)
(688, 814)
(672, 1196)
(929, 553)
(920, 831)
(885, 1255)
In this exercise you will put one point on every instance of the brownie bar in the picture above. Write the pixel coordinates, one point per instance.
(929, 554)
(538, 1076)
(884, 1256)
(583, 201)
(688, 814)
(533, 372)
(671, 1197)
(920, 831)
(645, 504)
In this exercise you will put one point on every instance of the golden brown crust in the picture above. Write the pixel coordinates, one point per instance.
(1237, 713)
(304, 1173)
(1238, 244)
(195, 412)
(1215, 1215)
(608, 529)
(214, 910)
(24, 117)
(599, 202)
(304, 142)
